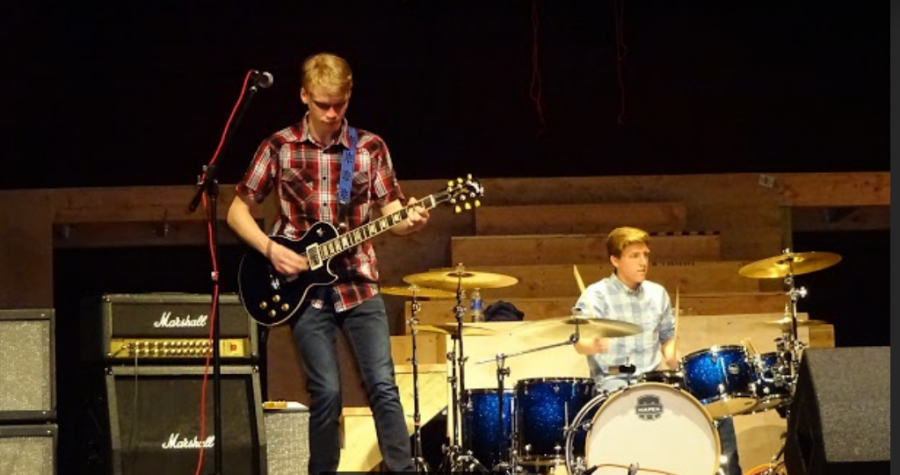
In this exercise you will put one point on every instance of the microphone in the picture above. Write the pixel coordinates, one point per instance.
(262, 79)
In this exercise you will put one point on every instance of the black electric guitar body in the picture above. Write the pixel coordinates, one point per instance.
(272, 298)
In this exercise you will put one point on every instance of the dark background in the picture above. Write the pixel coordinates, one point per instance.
(100, 93)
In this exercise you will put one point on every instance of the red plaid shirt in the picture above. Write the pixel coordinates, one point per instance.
(306, 176)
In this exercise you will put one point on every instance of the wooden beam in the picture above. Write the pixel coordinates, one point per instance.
(865, 218)
(573, 249)
(587, 218)
(835, 189)
(26, 250)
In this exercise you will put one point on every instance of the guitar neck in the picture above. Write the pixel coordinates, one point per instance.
(333, 247)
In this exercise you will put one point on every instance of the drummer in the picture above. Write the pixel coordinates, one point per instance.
(628, 296)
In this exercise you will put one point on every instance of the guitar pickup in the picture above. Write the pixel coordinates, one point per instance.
(315, 259)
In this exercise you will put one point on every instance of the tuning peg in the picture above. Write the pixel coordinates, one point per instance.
(477, 203)
(469, 176)
(468, 207)
(458, 209)
(460, 180)
(450, 184)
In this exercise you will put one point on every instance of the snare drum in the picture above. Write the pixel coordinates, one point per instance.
(770, 396)
(544, 407)
(666, 376)
(722, 379)
(650, 424)
(482, 431)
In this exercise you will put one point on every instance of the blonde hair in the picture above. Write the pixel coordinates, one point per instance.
(620, 238)
(327, 71)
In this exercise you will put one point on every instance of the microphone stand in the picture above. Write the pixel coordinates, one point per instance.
(209, 185)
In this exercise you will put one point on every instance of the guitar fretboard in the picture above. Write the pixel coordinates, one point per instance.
(331, 248)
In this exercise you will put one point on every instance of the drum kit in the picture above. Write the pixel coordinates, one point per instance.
(546, 425)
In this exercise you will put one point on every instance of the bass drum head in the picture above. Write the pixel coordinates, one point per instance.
(655, 426)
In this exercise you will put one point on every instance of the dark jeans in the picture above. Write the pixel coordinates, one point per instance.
(367, 331)
(729, 446)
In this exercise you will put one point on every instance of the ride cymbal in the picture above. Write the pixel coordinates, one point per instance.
(451, 279)
(588, 328)
(451, 328)
(786, 322)
(789, 263)
(418, 292)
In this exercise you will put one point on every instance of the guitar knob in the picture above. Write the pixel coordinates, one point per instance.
(263, 305)
(272, 313)
(285, 307)
(276, 298)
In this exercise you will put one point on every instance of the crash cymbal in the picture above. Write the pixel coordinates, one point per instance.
(451, 328)
(786, 322)
(467, 279)
(796, 263)
(418, 292)
(588, 328)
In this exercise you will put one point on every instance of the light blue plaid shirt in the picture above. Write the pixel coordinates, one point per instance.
(648, 307)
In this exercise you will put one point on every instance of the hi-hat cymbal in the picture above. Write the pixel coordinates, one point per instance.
(451, 328)
(588, 328)
(786, 322)
(467, 279)
(789, 263)
(418, 292)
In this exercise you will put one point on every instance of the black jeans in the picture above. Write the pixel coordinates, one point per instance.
(729, 446)
(367, 331)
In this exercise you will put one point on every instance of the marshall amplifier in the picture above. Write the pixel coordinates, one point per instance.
(149, 421)
(28, 449)
(27, 366)
(166, 327)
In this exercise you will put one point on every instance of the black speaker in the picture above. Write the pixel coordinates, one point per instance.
(27, 366)
(28, 449)
(149, 421)
(840, 419)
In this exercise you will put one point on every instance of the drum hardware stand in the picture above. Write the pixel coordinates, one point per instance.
(457, 458)
(421, 466)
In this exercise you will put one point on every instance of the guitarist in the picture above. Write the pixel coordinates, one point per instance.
(302, 164)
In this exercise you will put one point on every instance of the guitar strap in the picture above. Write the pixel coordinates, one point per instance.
(347, 163)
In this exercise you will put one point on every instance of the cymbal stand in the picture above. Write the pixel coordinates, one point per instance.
(791, 339)
(419, 462)
(457, 457)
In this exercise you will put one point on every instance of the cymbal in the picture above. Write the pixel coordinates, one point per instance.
(467, 279)
(786, 322)
(451, 328)
(588, 328)
(796, 263)
(418, 292)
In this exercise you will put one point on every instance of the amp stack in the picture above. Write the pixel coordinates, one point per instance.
(28, 425)
(147, 355)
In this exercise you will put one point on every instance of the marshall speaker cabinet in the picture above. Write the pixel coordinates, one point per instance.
(167, 328)
(149, 422)
(28, 449)
(27, 366)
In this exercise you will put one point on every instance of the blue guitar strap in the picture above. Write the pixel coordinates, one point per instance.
(347, 164)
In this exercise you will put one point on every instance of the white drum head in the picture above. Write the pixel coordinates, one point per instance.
(656, 427)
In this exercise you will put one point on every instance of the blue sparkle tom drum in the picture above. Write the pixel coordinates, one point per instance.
(489, 440)
(544, 408)
(722, 378)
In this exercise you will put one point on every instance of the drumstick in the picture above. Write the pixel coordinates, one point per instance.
(578, 279)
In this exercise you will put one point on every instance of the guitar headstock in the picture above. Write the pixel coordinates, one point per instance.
(464, 193)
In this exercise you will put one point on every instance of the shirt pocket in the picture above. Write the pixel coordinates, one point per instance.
(298, 182)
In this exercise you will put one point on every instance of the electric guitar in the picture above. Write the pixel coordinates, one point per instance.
(271, 297)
